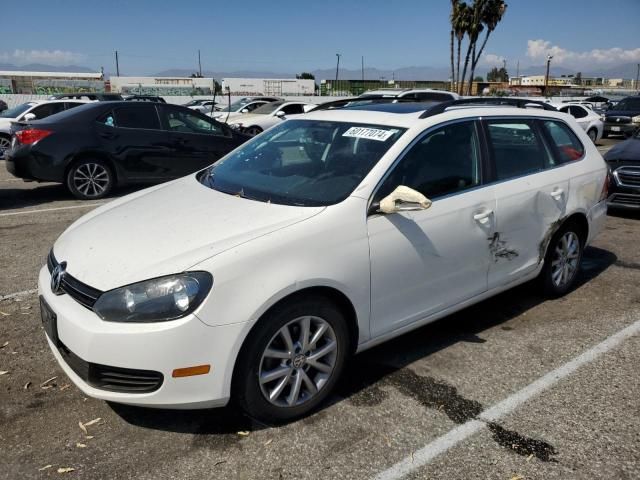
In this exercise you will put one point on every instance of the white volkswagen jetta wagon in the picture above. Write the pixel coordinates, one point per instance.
(255, 279)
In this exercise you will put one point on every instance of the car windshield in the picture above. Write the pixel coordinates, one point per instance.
(302, 162)
(628, 104)
(17, 111)
(268, 108)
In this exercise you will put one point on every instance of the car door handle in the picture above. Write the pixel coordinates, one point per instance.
(557, 193)
(483, 217)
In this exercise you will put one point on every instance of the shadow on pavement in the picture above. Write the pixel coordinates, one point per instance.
(381, 363)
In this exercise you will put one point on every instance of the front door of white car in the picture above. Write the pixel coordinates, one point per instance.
(427, 260)
(530, 195)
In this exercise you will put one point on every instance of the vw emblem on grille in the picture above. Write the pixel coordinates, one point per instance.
(56, 278)
(618, 120)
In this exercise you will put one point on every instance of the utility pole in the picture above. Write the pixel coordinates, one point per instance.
(546, 77)
(337, 67)
(199, 65)
(363, 71)
(518, 69)
(638, 78)
(117, 65)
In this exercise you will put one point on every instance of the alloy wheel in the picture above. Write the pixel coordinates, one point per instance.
(5, 145)
(298, 361)
(91, 179)
(566, 256)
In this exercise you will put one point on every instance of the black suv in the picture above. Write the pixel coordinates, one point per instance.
(624, 162)
(623, 118)
(99, 145)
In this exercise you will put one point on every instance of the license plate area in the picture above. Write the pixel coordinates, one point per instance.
(615, 129)
(49, 321)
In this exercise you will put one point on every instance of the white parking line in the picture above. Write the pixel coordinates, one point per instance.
(509, 404)
(18, 294)
(25, 212)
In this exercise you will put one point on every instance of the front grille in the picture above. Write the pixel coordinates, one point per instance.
(113, 379)
(617, 120)
(80, 292)
(628, 176)
(625, 199)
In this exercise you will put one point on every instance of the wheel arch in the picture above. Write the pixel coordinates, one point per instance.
(578, 218)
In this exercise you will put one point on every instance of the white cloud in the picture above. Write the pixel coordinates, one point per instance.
(492, 60)
(538, 50)
(50, 57)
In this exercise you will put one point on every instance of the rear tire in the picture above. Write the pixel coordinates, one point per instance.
(253, 131)
(279, 376)
(90, 179)
(5, 145)
(562, 260)
(605, 135)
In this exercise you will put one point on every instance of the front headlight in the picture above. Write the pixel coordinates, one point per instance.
(156, 300)
(636, 119)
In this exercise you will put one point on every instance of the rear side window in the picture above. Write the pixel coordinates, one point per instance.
(517, 149)
(568, 146)
(577, 112)
(43, 111)
(138, 115)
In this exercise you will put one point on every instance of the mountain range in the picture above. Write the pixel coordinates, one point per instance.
(627, 70)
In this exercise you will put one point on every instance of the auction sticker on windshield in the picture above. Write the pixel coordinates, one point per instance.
(369, 133)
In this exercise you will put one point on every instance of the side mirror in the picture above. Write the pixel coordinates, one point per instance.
(29, 116)
(244, 110)
(280, 114)
(404, 199)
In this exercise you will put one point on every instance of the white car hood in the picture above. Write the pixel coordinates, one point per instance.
(164, 230)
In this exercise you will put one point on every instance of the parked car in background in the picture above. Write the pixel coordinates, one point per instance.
(29, 111)
(96, 97)
(623, 118)
(413, 94)
(101, 145)
(204, 106)
(256, 279)
(624, 161)
(144, 98)
(589, 120)
(236, 109)
(268, 115)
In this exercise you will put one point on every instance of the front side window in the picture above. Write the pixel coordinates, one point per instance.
(48, 109)
(137, 115)
(445, 161)
(302, 162)
(293, 109)
(568, 147)
(185, 121)
(517, 149)
(577, 112)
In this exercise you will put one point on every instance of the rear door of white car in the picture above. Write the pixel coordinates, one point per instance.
(427, 260)
(531, 196)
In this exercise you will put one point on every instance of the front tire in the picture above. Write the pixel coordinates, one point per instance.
(253, 131)
(562, 260)
(292, 360)
(5, 145)
(90, 179)
(593, 134)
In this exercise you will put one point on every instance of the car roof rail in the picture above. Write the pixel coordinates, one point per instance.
(491, 102)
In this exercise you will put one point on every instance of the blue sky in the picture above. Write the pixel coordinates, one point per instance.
(292, 36)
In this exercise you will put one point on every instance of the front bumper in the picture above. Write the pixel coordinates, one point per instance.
(154, 347)
(620, 128)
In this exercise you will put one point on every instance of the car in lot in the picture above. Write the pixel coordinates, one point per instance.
(623, 118)
(203, 106)
(256, 278)
(413, 94)
(268, 115)
(623, 160)
(236, 109)
(144, 98)
(102, 145)
(26, 112)
(95, 97)
(589, 120)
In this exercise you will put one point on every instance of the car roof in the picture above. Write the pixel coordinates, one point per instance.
(398, 118)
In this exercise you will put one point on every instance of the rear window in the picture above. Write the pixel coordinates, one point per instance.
(568, 146)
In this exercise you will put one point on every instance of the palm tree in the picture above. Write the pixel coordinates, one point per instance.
(473, 31)
(453, 12)
(461, 24)
(491, 14)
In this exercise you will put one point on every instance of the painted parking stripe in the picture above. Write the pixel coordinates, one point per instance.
(25, 212)
(18, 294)
(443, 443)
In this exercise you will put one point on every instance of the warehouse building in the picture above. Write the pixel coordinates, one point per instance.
(162, 85)
(47, 83)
